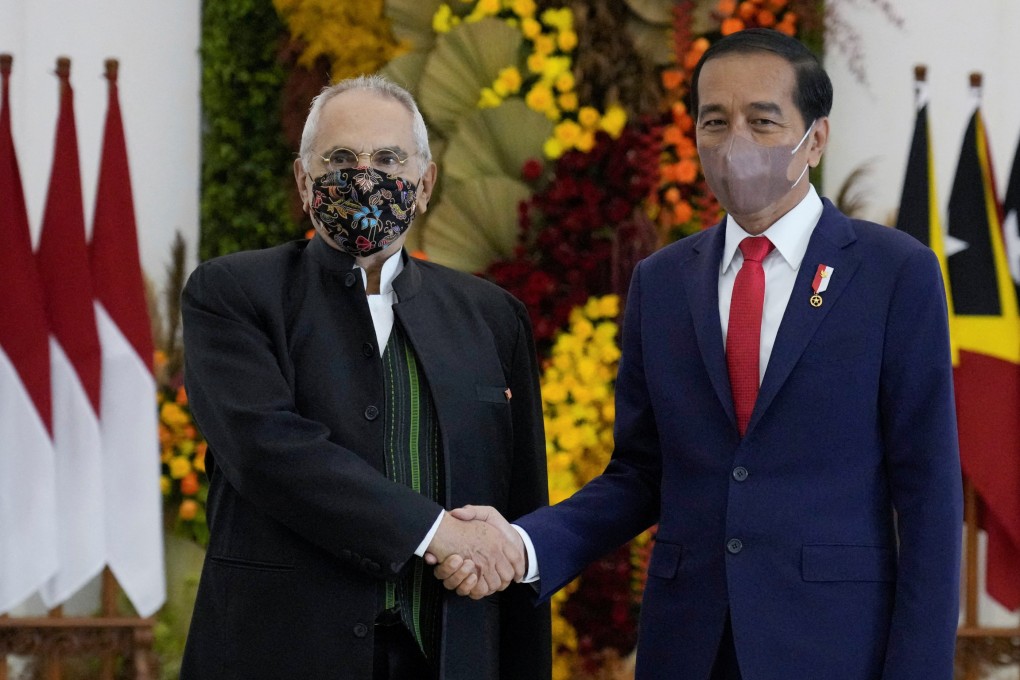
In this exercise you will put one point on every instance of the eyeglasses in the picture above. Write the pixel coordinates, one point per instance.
(384, 160)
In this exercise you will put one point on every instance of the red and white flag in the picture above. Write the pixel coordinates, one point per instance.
(75, 363)
(28, 504)
(128, 422)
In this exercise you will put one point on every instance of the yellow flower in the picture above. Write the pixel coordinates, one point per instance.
(567, 101)
(552, 149)
(530, 28)
(544, 44)
(566, 133)
(588, 117)
(509, 79)
(565, 81)
(539, 98)
(554, 393)
(566, 40)
(164, 485)
(536, 62)
(179, 467)
(614, 120)
(569, 440)
(562, 19)
(489, 99)
(554, 68)
(524, 8)
(443, 20)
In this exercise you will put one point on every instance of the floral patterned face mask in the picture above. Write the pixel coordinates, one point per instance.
(362, 210)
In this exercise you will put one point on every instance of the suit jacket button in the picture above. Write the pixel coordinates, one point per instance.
(371, 413)
(350, 279)
(360, 630)
(734, 546)
(740, 473)
(368, 349)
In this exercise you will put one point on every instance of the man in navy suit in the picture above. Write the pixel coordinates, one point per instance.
(784, 413)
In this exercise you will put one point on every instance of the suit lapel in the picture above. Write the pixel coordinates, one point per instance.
(830, 245)
(701, 281)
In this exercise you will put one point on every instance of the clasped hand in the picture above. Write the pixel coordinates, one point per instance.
(476, 552)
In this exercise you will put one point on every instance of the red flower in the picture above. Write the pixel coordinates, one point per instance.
(531, 170)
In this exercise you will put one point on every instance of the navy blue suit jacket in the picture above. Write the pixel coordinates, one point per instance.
(831, 531)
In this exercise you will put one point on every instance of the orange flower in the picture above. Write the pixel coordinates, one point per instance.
(672, 136)
(672, 195)
(746, 12)
(189, 484)
(777, 5)
(419, 255)
(182, 396)
(672, 79)
(766, 19)
(731, 25)
(698, 48)
(188, 510)
(686, 171)
(682, 213)
(726, 7)
(788, 25)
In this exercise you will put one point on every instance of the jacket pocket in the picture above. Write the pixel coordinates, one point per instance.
(847, 563)
(491, 393)
(665, 561)
(255, 565)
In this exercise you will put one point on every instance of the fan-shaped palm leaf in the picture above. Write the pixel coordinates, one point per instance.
(406, 70)
(496, 142)
(476, 223)
(412, 21)
(653, 11)
(464, 61)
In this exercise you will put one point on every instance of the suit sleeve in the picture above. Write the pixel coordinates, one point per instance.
(270, 454)
(920, 439)
(622, 501)
(526, 639)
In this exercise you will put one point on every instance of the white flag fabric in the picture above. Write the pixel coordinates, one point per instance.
(129, 424)
(76, 363)
(28, 514)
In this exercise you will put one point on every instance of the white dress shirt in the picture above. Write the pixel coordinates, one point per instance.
(381, 307)
(790, 235)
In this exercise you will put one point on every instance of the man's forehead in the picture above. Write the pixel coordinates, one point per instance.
(365, 113)
(758, 81)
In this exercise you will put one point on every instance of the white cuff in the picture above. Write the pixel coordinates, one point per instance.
(532, 574)
(424, 545)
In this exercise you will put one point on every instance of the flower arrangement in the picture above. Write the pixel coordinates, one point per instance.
(570, 230)
(182, 455)
(546, 81)
(363, 45)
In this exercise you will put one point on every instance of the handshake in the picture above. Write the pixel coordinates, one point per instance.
(476, 552)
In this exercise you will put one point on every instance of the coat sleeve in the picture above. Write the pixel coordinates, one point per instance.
(920, 440)
(270, 454)
(622, 501)
(526, 637)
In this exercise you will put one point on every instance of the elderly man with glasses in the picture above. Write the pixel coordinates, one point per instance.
(350, 394)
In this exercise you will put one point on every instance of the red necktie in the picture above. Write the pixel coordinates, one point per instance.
(743, 335)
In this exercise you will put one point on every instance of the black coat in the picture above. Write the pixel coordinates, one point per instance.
(285, 381)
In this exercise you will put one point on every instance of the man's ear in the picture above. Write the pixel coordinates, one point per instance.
(817, 141)
(425, 186)
(300, 175)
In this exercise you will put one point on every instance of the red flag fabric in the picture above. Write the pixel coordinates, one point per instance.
(75, 363)
(28, 511)
(128, 421)
(986, 329)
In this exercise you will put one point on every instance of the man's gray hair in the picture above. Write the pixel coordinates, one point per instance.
(372, 83)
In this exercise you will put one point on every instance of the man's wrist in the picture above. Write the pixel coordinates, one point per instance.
(531, 573)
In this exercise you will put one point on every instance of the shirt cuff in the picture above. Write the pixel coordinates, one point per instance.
(532, 574)
(424, 545)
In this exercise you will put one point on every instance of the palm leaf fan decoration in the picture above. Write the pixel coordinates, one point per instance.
(406, 70)
(476, 223)
(464, 61)
(412, 21)
(493, 142)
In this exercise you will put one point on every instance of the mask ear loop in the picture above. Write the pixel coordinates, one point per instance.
(802, 140)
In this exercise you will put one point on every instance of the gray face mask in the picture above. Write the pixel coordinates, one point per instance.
(747, 177)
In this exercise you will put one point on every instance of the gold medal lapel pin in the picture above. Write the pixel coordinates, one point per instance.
(820, 283)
